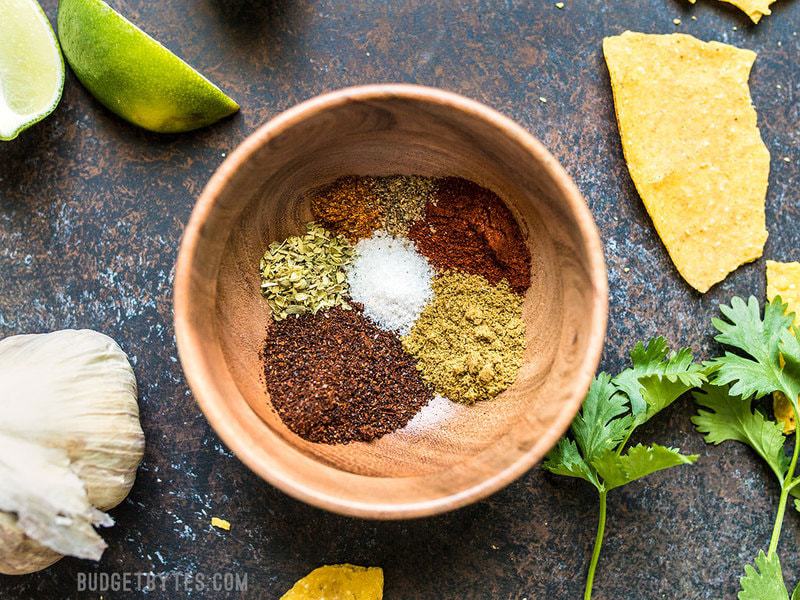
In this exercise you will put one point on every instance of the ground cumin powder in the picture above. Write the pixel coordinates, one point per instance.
(470, 339)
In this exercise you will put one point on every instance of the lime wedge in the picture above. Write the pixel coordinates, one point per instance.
(132, 74)
(31, 67)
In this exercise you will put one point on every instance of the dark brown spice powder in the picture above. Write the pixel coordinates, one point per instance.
(335, 378)
(468, 227)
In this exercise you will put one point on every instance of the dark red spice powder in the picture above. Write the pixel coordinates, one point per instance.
(335, 378)
(469, 228)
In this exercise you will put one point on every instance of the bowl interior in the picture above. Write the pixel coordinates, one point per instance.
(261, 194)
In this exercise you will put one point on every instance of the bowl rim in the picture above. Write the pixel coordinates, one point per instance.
(211, 400)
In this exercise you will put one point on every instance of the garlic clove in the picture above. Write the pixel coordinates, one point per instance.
(49, 499)
(19, 554)
(68, 405)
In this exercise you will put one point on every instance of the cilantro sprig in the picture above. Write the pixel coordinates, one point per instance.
(762, 357)
(594, 449)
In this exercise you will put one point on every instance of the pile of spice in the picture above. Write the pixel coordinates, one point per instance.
(336, 378)
(348, 207)
(470, 339)
(406, 292)
(403, 199)
(357, 206)
(433, 415)
(391, 280)
(467, 227)
(305, 274)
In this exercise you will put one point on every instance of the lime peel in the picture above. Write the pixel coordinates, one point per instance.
(31, 67)
(134, 75)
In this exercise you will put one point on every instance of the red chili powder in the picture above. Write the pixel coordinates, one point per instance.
(468, 227)
(335, 378)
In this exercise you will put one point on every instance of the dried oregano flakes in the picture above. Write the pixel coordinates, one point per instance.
(305, 273)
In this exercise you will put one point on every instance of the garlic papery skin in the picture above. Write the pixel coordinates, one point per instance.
(70, 444)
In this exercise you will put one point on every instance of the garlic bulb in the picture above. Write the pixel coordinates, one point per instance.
(70, 443)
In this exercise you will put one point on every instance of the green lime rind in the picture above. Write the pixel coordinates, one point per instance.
(132, 74)
(58, 89)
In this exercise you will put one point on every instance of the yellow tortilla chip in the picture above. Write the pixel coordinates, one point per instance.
(755, 9)
(783, 279)
(693, 148)
(784, 413)
(339, 582)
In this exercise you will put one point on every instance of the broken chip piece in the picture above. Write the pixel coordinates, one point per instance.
(783, 279)
(339, 582)
(755, 9)
(784, 413)
(220, 523)
(693, 149)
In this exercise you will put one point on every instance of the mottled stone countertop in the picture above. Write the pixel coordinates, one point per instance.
(91, 215)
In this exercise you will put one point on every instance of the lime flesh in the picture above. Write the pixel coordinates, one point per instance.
(31, 67)
(132, 74)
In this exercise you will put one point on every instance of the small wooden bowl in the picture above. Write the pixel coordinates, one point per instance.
(259, 195)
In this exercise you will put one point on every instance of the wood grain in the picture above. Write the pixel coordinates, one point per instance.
(260, 194)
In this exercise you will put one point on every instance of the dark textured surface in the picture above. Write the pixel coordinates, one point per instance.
(91, 214)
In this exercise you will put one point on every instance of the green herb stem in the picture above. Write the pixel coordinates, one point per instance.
(776, 529)
(621, 447)
(598, 544)
(786, 487)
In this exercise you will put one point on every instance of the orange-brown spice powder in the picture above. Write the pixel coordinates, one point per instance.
(348, 207)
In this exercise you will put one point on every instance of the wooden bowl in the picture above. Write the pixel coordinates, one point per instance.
(260, 194)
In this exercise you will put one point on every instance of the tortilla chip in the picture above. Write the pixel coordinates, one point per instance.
(784, 413)
(755, 9)
(339, 582)
(783, 279)
(694, 152)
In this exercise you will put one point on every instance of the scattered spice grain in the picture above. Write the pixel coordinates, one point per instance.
(470, 339)
(305, 274)
(469, 228)
(336, 378)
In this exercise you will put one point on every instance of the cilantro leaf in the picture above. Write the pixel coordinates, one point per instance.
(657, 378)
(638, 462)
(600, 425)
(764, 581)
(761, 371)
(731, 418)
(790, 359)
(565, 459)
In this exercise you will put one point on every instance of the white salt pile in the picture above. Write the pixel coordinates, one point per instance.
(391, 280)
